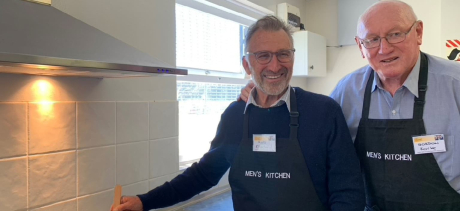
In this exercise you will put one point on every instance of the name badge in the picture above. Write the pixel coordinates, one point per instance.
(429, 144)
(264, 143)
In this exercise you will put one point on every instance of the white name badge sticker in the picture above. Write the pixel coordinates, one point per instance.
(264, 143)
(429, 144)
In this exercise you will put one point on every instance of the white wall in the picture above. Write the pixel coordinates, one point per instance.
(322, 19)
(429, 12)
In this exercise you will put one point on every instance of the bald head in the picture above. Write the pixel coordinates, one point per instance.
(386, 8)
(396, 35)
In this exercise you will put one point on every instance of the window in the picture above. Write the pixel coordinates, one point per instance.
(207, 45)
(200, 107)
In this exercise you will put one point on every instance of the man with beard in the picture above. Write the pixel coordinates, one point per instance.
(396, 107)
(403, 112)
(287, 149)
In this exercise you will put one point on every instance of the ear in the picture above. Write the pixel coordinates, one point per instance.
(360, 47)
(246, 65)
(419, 30)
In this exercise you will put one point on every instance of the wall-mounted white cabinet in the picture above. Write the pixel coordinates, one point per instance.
(310, 54)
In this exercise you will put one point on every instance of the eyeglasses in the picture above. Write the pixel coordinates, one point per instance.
(391, 38)
(265, 57)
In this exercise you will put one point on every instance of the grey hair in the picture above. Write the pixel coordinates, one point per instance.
(267, 23)
(410, 14)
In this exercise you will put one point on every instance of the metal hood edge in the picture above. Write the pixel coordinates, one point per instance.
(42, 40)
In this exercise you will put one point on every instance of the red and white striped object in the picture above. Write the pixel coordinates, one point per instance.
(453, 43)
(453, 50)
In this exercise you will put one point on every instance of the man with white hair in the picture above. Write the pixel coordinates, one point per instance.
(396, 107)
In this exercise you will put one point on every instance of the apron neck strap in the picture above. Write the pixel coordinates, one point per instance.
(367, 96)
(419, 103)
(294, 125)
(294, 114)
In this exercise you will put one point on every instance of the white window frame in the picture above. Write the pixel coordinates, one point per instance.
(236, 10)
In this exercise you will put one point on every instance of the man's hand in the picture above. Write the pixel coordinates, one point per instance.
(244, 96)
(129, 203)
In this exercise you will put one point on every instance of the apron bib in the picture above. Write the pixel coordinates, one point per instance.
(282, 180)
(395, 177)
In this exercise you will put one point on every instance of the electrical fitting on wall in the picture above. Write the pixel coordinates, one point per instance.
(290, 15)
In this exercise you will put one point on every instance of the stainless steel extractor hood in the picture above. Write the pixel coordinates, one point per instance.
(41, 40)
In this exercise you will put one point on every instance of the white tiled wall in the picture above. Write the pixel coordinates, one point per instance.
(13, 129)
(51, 127)
(52, 178)
(68, 154)
(96, 124)
(69, 205)
(53, 174)
(13, 183)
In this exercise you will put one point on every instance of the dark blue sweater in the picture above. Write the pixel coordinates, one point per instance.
(324, 139)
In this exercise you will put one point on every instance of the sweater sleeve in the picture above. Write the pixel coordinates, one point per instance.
(345, 184)
(199, 177)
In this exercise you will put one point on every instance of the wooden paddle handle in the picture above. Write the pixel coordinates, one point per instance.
(117, 197)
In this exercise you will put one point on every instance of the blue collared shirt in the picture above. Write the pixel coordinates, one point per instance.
(441, 114)
(284, 99)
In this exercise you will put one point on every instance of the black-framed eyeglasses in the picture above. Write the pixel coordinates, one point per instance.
(391, 38)
(265, 57)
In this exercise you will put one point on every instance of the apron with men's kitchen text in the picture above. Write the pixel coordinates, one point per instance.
(276, 180)
(395, 177)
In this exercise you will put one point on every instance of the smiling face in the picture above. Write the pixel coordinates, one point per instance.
(270, 79)
(391, 61)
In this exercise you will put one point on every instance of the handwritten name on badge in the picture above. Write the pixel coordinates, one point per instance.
(264, 143)
(429, 144)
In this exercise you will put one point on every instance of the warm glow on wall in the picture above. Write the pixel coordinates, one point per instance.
(43, 91)
(45, 108)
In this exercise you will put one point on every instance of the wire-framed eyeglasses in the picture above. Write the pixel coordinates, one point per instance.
(265, 57)
(391, 38)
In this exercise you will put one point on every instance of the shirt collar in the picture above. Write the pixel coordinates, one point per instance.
(411, 82)
(284, 99)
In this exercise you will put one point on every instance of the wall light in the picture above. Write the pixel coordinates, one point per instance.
(43, 91)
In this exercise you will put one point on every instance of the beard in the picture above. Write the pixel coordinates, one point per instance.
(271, 88)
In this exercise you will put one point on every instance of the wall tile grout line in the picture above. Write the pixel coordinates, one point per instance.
(148, 137)
(116, 143)
(140, 141)
(96, 147)
(76, 155)
(40, 207)
(51, 152)
(27, 154)
(14, 157)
